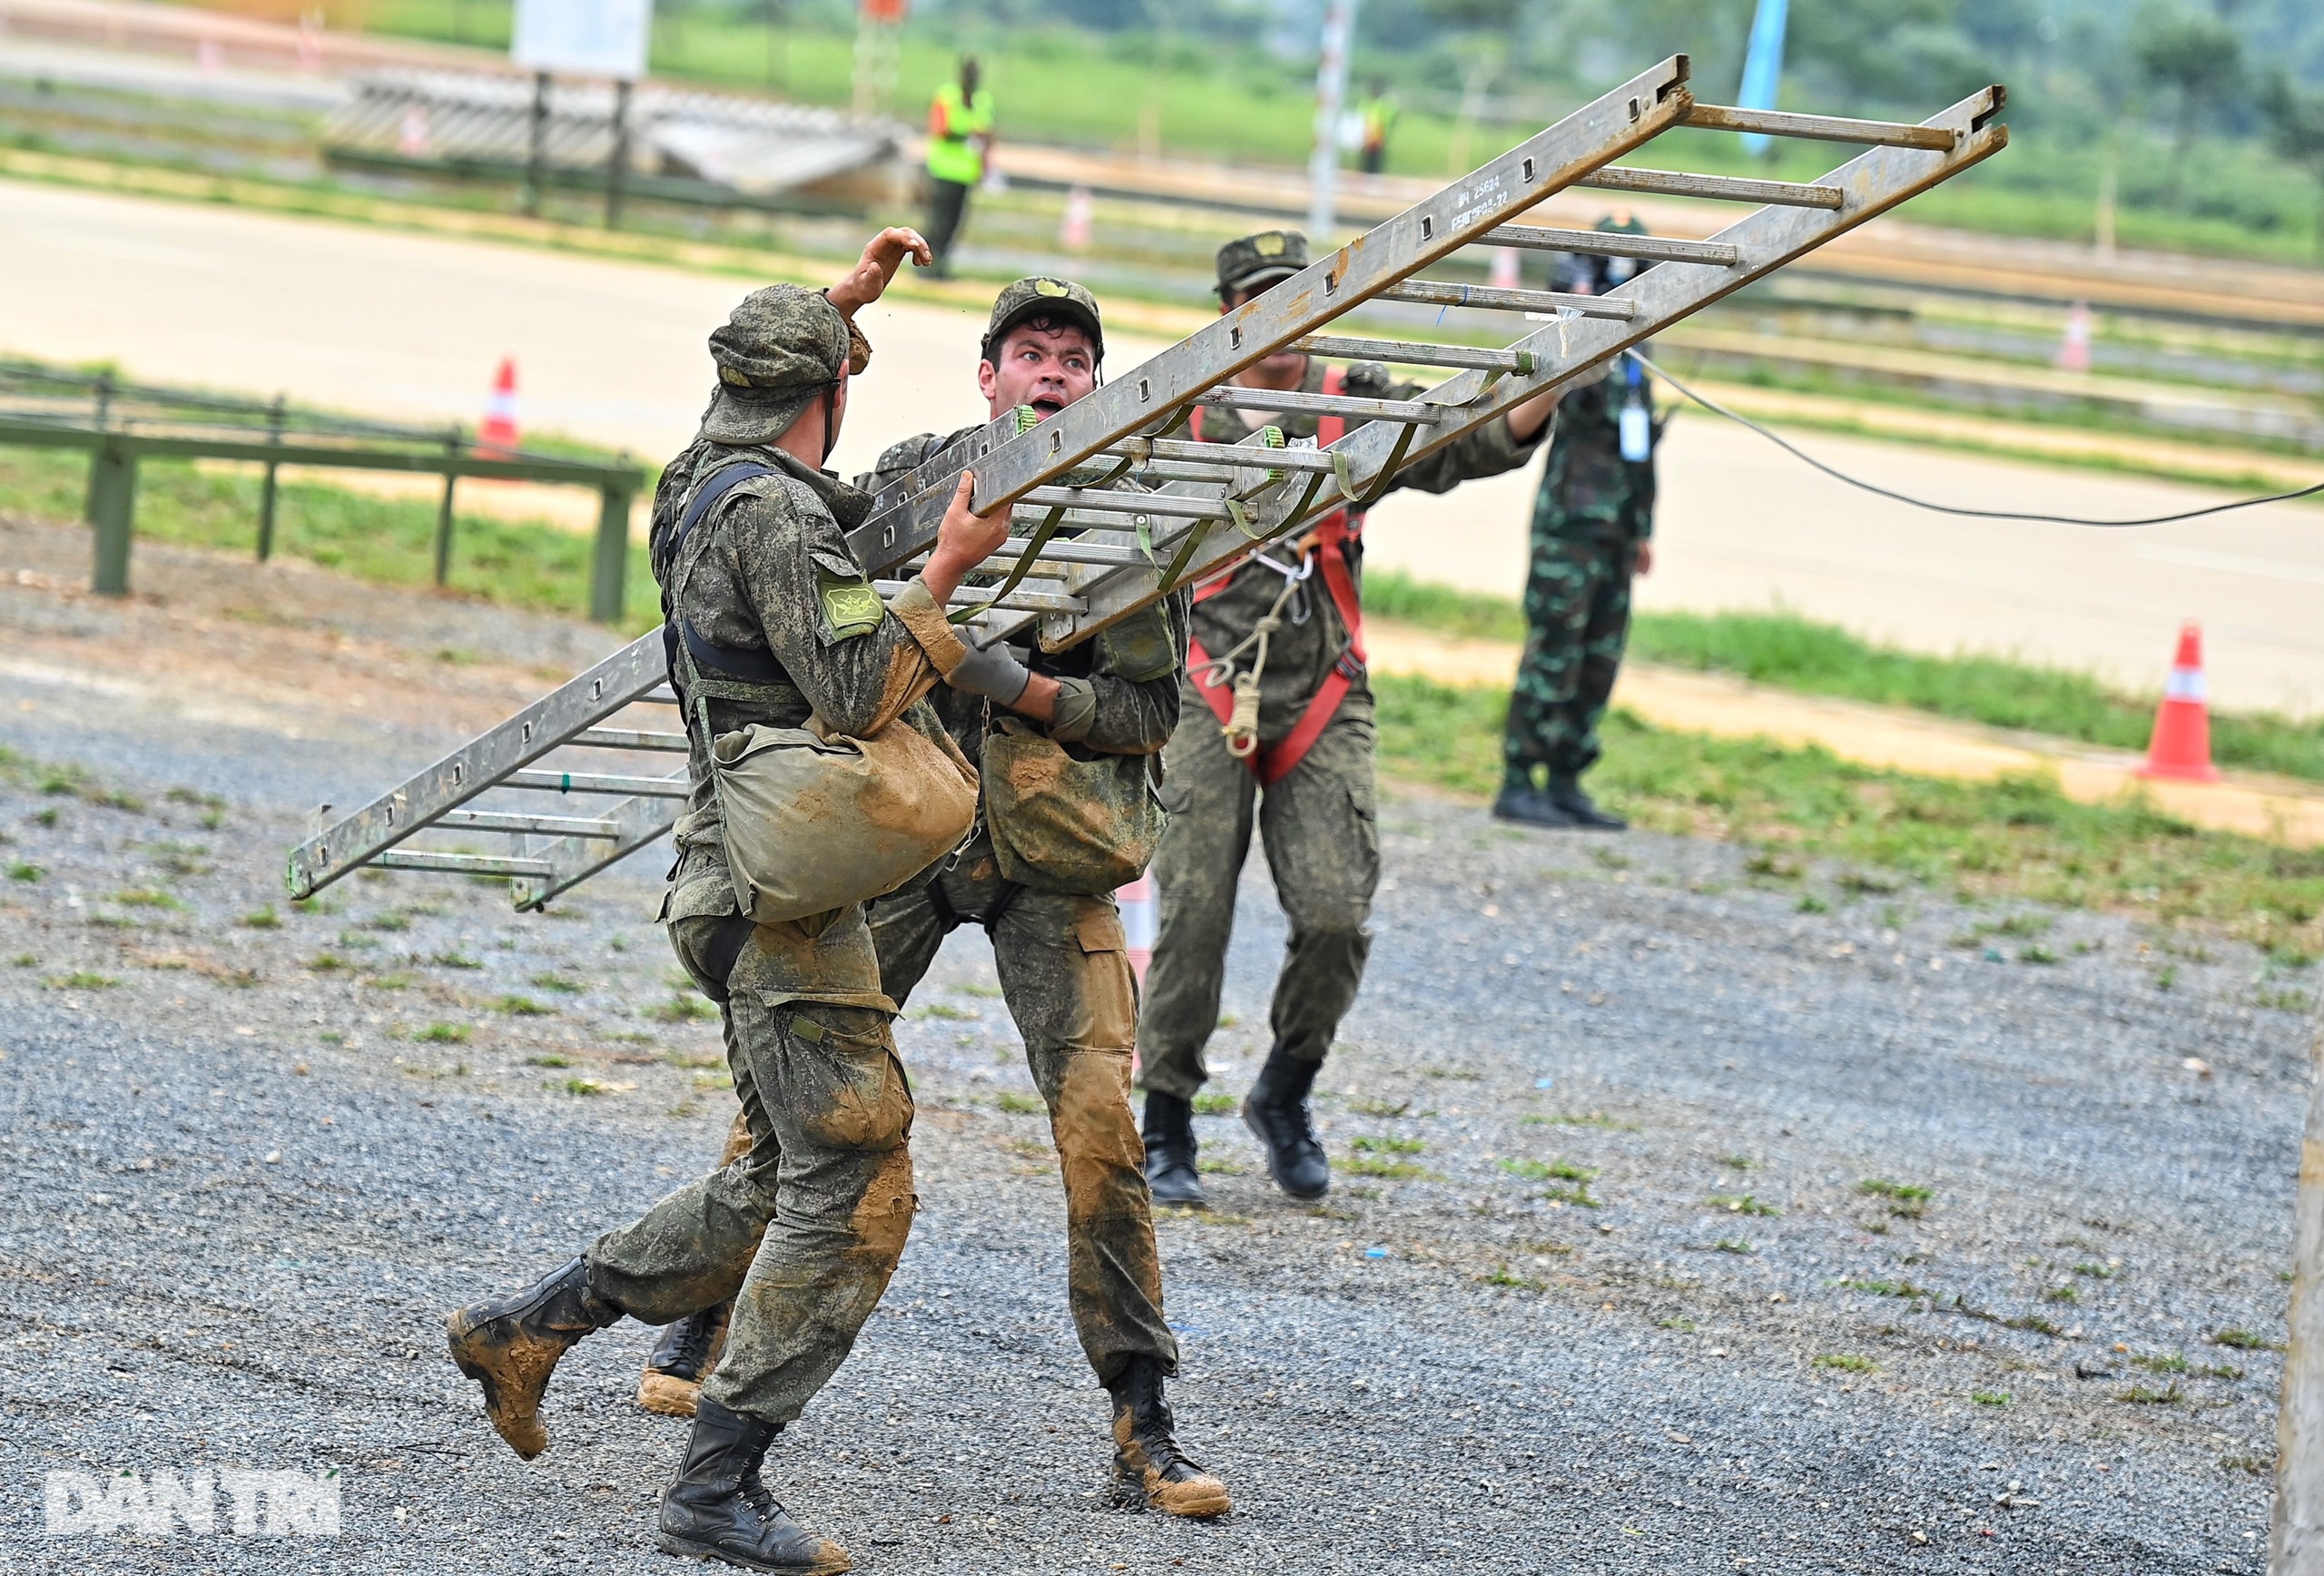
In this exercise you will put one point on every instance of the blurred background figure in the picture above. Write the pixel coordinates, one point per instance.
(1593, 525)
(960, 140)
(1379, 113)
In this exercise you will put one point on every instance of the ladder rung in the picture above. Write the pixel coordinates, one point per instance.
(1605, 243)
(1281, 400)
(1018, 601)
(1059, 552)
(532, 825)
(1222, 457)
(1822, 128)
(1195, 470)
(629, 739)
(1165, 506)
(1404, 353)
(601, 782)
(1726, 188)
(1436, 293)
(459, 864)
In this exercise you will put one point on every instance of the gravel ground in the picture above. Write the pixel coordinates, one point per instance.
(243, 1185)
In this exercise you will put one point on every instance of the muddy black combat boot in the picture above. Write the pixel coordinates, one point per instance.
(717, 1508)
(1566, 794)
(1276, 1111)
(1530, 807)
(685, 1353)
(1170, 1150)
(510, 1345)
(1149, 1469)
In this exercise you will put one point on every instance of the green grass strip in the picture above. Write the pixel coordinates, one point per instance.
(2017, 838)
(1789, 652)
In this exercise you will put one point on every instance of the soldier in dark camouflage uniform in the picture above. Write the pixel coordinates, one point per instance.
(1063, 961)
(1593, 524)
(805, 1231)
(1316, 820)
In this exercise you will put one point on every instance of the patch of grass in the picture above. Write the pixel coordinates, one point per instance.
(1393, 1170)
(2064, 1294)
(1389, 1145)
(682, 1008)
(388, 983)
(1741, 1162)
(522, 1006)
(1212, 1165)
(1742, 1203)
(1735, 1244)
(1449, 1074)
(1215, 1105)
(1903, 1200)
(325, 962)
(1846, 1361)
(2017, 839)
(559, 984)
(1544, 1171)
(148, 898)
(24, 869)
(2094, 1271)
(1361, 1105)
(1503, 1276)
(2147, 1396)
(264, 918)
(1809, 903)
(2171, 1363)
(2251, 1465)
(1393, 593)
(945, 1012)
(389, 921)
(1590, 1120)
(2036, 953)
(444, 1034)
(2246, 1340)
(1679, 1322)
(548, 1058)
(691, 1060)
(1883, 1288)
(80, 979)
(579, 1085)
(1579, 1198)
(1990, 1398)
(1020, 1105)
(455, 961)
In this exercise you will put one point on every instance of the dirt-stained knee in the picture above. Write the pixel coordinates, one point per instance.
(883, 1217)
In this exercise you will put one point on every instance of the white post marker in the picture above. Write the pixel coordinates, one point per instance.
(1330, 93)
(2295, 1540)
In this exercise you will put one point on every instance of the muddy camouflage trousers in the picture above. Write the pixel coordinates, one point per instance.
(1577, 620)
(803, 1231)
(1065, 973)
(1317, 826)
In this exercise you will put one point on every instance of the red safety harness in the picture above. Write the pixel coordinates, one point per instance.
(1327, 542)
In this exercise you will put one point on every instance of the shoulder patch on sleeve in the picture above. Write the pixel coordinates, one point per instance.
(1139, 647)
(850, 607)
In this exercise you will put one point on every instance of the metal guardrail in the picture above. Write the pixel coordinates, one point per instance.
(121, 423)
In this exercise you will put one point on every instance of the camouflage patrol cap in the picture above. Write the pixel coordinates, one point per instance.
(1041, 297)
(782, 347)
(1257, 261)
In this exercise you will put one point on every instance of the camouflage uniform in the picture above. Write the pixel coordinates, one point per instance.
(1593, 510)
(805, 1231)
(1317, 823)
(1064, 963)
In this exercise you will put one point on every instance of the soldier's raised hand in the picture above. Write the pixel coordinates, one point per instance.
(868, 279)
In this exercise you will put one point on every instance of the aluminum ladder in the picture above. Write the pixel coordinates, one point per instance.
(1110, 515)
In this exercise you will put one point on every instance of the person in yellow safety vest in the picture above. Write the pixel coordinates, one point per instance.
(959, 140)
(1379, 117)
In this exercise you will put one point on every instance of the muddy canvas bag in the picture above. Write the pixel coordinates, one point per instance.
(816, 820)
(1063, 824)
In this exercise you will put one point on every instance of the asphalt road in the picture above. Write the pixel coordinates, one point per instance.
(248, 1165)
(413, 325)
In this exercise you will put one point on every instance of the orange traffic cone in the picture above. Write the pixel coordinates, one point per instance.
(2181, 746)
(499, 429)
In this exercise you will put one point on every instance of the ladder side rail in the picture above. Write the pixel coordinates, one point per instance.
(1765, 240)
(1159, 388)
(483, 762)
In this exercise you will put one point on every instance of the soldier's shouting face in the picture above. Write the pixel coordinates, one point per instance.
(1046, 363)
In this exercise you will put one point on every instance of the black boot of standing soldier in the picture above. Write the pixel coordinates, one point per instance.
(1565, 793)
(1149, 1468)
(717, 1508)
(683, 1355)
(1276, 1110)
(1170, 1150)
(511, 1345)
